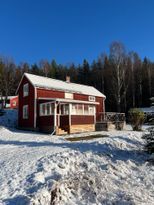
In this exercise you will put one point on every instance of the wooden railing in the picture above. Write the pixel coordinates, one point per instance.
(110, 117)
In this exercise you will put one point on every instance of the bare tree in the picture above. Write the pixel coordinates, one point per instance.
(117, 58)
(44, 64)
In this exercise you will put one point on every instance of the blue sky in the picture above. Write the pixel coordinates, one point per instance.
(71, 30)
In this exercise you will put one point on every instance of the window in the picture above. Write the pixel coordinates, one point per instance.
(92, 98)
(91, 110)
(65, 109)
(80, 109)
(74, 109)
(46, 109)
(25, 90)
(25, 112)
(86, 110)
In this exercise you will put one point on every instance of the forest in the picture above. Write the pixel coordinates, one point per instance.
(125, 78)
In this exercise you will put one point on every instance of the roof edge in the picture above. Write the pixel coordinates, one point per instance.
(24, 74)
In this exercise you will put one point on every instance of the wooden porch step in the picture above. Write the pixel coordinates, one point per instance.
(60, 131)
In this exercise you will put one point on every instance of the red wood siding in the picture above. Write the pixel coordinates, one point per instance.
(28, 100)
(14, 102)
(43, 93)
(82, 119)
(64, 120)
(81, 97)
(46, 121)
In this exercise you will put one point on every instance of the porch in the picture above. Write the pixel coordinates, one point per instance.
(107, 121)
(63, 116)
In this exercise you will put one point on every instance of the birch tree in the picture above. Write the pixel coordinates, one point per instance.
(117, 59)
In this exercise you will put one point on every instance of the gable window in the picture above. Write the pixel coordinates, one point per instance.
(92, 98)
(25, 90)
(25, 112)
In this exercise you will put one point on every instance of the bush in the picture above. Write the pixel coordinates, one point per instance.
(136, 119)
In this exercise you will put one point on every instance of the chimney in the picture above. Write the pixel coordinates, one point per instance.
(68, 79)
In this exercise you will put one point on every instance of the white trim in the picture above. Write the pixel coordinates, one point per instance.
(70, 108)
(35, 106)
(103, 105)
(70, 101)
(55, 115)
(19, 83)
(25, 74)
(95, 115)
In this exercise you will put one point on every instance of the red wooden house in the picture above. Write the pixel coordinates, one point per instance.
(51, 105)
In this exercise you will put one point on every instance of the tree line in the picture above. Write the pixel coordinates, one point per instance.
(125, 79)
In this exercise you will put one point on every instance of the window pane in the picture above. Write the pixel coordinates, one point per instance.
(86, 110)
(66, 110)
(80, 109)
(25, 90)
(43, 109)
(91, 110)
(52, 108)
(25, 112)
(74, 109)
(48, 109)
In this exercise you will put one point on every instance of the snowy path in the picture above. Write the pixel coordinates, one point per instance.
(109, 170)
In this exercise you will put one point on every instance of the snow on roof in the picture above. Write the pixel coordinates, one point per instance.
(44, 82)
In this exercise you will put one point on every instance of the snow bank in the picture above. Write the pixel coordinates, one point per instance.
(37, 169)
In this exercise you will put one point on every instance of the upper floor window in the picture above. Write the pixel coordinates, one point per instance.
(92, 98)
(25, 112)
(25, 90)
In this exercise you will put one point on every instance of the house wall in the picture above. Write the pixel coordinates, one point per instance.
(46, 123)
(49, 93)
(82, 119)
(28, 100)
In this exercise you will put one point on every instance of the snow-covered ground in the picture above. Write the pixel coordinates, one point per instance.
(111, 170)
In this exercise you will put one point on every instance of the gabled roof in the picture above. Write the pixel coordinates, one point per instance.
(50, 83)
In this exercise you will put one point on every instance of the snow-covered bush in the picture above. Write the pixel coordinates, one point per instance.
(136, 118)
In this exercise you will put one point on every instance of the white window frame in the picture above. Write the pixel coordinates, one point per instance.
(45, 113)
(83, 112)
(25, 89)
(25, 112)
(92, 98)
